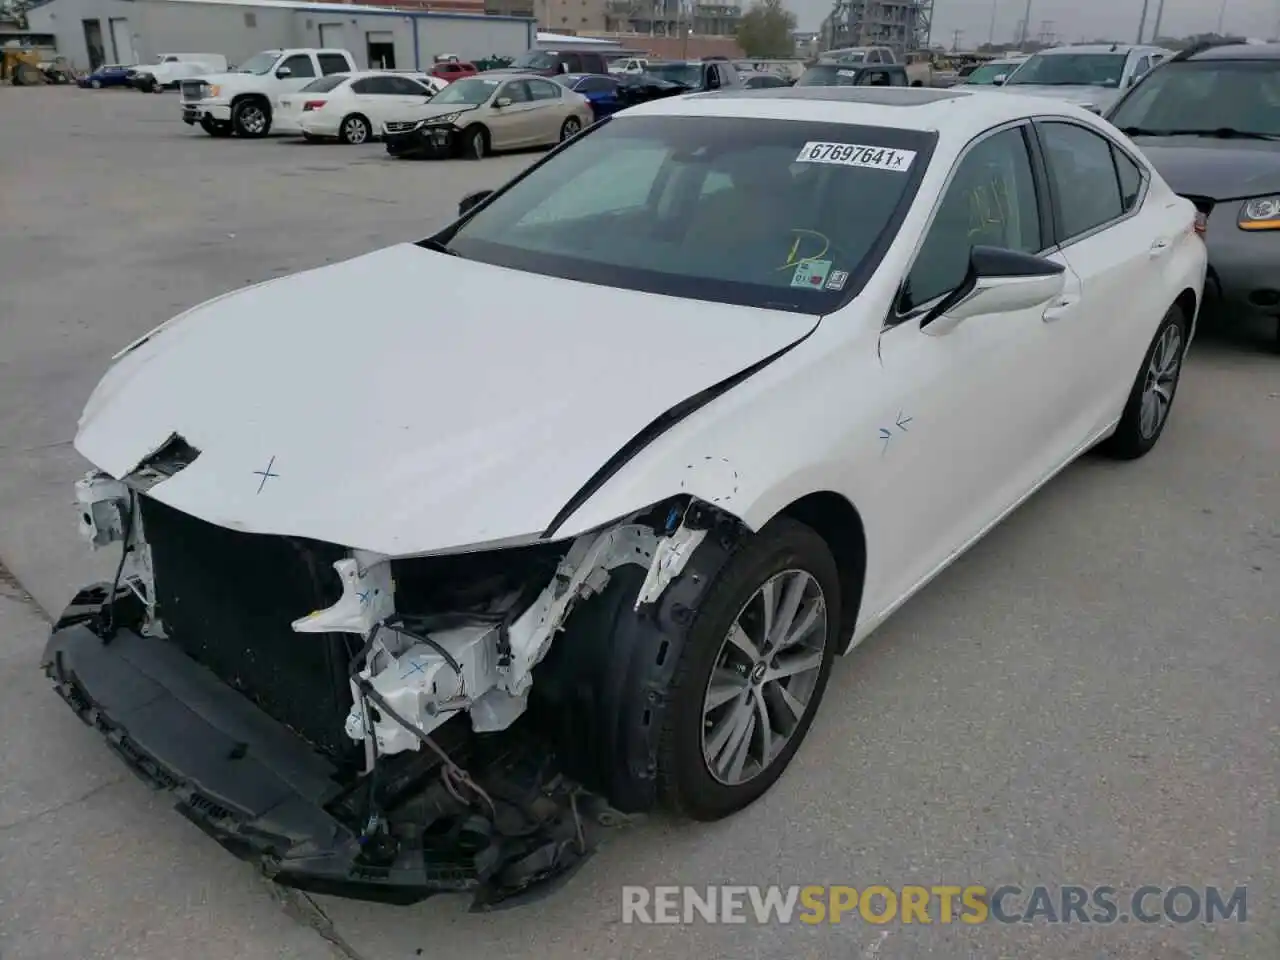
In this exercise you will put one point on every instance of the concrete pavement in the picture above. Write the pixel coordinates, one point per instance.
(1088, 697)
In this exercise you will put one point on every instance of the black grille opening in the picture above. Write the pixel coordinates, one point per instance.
(227, 600)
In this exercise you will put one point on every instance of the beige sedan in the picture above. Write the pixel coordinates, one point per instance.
(492, 111)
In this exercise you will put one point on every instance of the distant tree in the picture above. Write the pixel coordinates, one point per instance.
(764, 32)
(16, 10)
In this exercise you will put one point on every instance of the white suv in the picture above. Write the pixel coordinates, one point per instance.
(246, 100)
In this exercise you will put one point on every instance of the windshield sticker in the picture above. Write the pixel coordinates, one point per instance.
(846, 73)
(857, 155)
(838, 279)
(811, 273)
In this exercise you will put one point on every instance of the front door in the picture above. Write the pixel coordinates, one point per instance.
(963, 425)
(514, 124)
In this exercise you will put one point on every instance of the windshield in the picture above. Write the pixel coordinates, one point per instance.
(1203, 96)
(537, 60)
(1071, 69)
(259, 63)
(471, 92)
(988, 72)
(690, 74)
(849, 57)
(325, 84)
(828, 75)
(784, 214)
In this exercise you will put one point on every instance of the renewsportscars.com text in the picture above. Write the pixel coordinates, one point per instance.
(971, 904)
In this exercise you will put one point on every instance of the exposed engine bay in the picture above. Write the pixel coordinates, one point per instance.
(387, 728)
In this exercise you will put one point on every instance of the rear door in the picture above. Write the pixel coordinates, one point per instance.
(1116, 243)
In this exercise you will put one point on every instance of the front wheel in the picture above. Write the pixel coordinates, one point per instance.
(354, 130)
(96, 84)
(475, 143)
(751, 674)
(1147, 410)
(251, 118)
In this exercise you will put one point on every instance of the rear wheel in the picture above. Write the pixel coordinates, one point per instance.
(751, 674)
(354, 130)
(1151, 398)
(570, 128)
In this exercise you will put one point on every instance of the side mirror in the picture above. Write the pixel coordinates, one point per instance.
(472, 200)
(502, 102)
(999, 79)
(998, 281)
(284, 72)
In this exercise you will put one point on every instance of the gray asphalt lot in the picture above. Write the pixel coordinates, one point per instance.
(1088, 697)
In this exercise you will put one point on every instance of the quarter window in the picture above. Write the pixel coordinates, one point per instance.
(991, 201)
(1130, 176)
(1084, 177)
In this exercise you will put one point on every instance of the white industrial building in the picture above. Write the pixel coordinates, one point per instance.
(92, 32)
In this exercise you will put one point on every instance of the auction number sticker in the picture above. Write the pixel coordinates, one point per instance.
(857, 155)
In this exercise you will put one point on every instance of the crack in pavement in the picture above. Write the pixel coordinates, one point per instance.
(49, 811)
(299, 907)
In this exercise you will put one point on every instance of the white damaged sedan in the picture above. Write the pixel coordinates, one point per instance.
(419, 595)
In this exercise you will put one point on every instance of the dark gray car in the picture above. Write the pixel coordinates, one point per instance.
(1209, 120)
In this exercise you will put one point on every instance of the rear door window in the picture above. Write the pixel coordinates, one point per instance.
(333, 63)
(1083, 173)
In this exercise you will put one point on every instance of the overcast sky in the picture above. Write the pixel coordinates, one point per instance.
(1076, 19)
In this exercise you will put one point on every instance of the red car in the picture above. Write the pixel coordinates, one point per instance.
(453, 70)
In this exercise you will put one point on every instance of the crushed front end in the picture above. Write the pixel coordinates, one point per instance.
(381, 746)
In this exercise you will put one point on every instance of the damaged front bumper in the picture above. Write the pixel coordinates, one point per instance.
(268, 797)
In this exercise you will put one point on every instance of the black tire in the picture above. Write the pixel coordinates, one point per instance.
(96, 84)
(686, 785)
(355, 129)
(571, 127)
(475, 142)
(251, 118)
(1131, 439)
(215, 128)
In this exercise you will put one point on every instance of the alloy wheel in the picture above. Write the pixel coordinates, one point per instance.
(764, 677)
(356, 130)
(1161, 379)
(253, 119)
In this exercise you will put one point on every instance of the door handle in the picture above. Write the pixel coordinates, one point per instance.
(1060, 308)
(1159, 247)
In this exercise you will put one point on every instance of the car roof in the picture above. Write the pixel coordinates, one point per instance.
(953, 110)
(1102, 48)
(1239, 51)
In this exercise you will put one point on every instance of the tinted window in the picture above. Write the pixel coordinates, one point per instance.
(1201, 96)
(544, 90)
(378, 85)
(300, 65)
(1083, 176)
(875, 78)
(1130, 179)
(333, 63)
(829, 75)
(990, 201)
(797, 227)
(594, 85)
(1066, 69)
(1142, 66)
(404, 87)
(325, 84)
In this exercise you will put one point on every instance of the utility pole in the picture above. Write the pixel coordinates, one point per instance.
(1155, 34)
(1222, 13)
(955, 40)
(1142, 20)
(1026, 26)
(991, 32)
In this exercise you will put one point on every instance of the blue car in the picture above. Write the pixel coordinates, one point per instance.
(601, 91)
(107, 75)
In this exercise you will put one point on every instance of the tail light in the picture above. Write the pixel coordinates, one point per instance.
(313, 105)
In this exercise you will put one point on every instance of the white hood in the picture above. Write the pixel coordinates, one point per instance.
(1096, 98)
(407, 401)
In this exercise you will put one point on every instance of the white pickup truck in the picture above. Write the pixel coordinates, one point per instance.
(243, 101)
